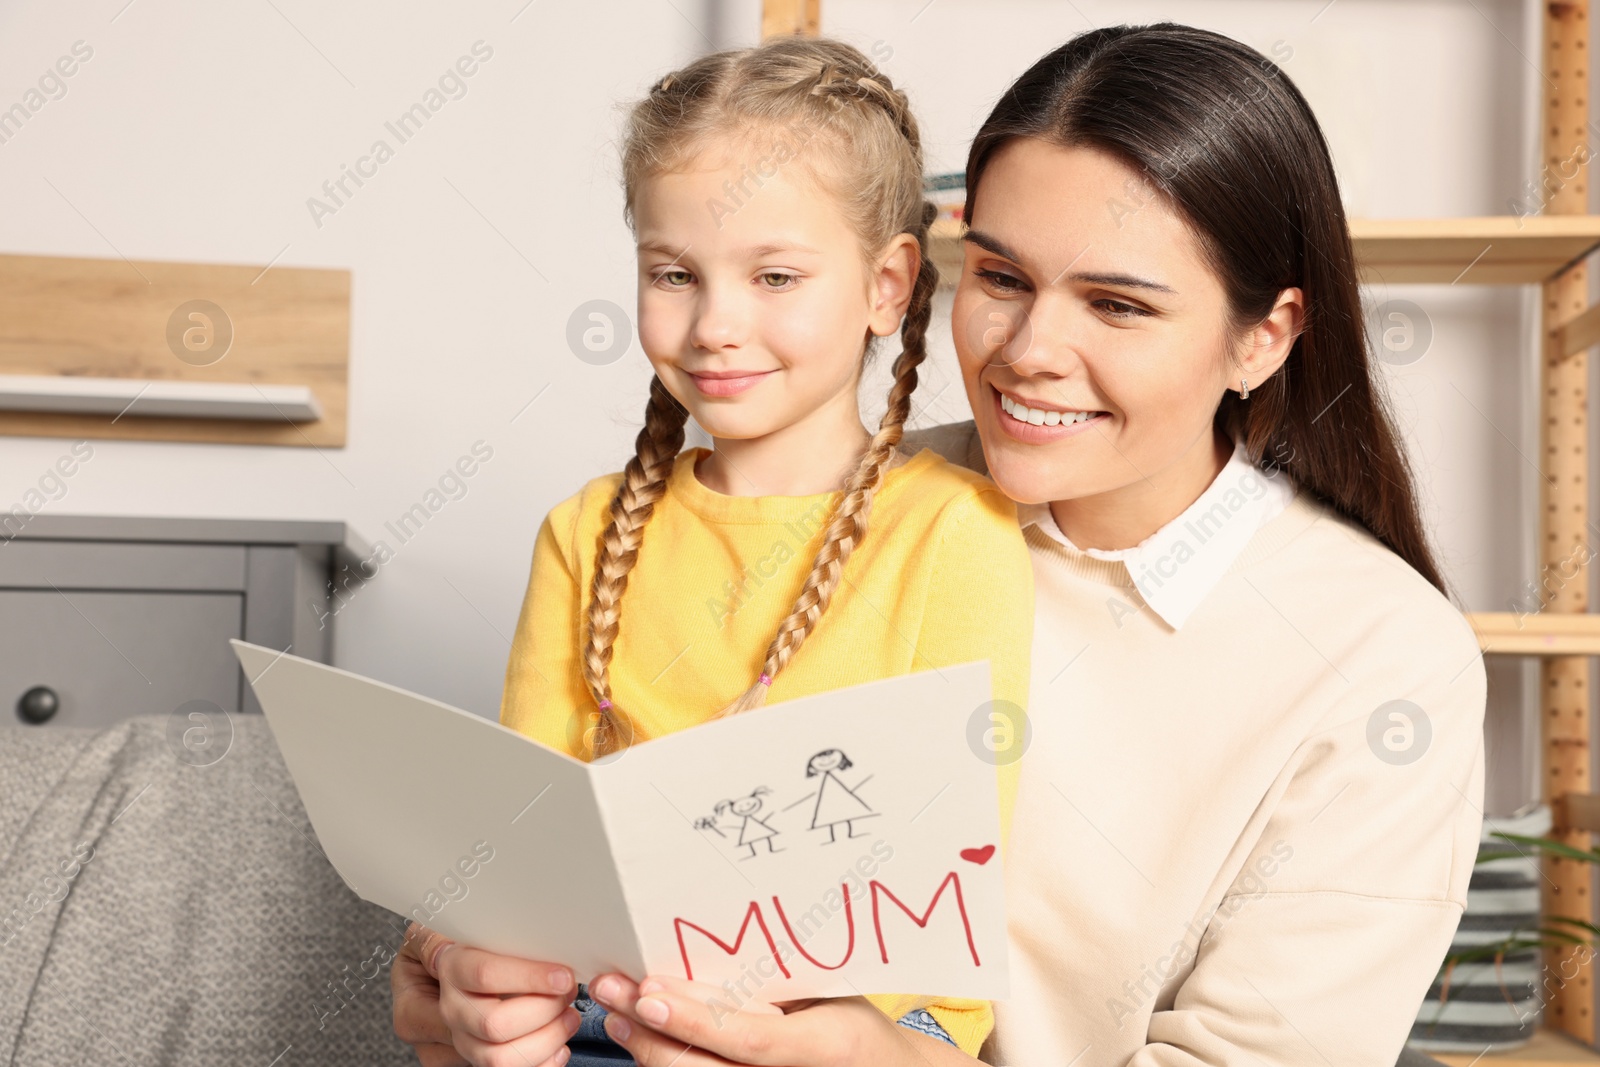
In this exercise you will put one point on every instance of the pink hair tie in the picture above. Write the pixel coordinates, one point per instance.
(765, 678)
(604, 704)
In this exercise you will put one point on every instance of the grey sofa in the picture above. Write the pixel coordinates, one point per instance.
(163, 901)
(162, 906)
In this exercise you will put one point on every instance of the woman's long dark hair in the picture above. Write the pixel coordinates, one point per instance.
(1227, 138)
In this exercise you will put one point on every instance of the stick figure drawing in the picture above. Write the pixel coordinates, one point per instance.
(753, 829)
(837, 803)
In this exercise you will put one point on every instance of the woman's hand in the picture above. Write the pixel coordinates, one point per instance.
(665, 1021)
(458, 1005)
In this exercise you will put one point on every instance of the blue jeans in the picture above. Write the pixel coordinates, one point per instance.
(592, 1047)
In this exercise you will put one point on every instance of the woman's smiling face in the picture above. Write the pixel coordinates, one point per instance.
(1084, 297)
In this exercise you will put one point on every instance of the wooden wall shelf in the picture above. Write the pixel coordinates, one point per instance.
(113, 318)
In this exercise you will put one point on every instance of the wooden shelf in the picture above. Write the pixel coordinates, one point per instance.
(1502, 250)
(80, 319)
(1539, 634)
(1546, 1049)
(1495, 250)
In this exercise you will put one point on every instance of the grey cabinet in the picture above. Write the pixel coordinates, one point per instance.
(103, 617)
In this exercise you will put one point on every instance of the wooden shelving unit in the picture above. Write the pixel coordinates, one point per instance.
(1549, 250)
(1566, 316)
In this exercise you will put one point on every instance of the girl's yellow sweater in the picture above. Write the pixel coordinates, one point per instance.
(941, 577)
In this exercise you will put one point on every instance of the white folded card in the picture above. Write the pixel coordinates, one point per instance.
(838, 844)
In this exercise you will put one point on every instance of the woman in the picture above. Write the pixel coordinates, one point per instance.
(1251, 800)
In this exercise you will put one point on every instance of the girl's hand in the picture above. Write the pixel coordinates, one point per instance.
(665, 1021)
(459, 1005)
(415, 991)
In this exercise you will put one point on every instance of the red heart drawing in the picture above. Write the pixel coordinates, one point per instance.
(980, 856)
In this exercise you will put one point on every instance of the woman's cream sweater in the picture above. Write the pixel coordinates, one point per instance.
(1247, 840)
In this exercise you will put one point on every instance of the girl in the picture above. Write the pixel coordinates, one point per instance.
(776, 196)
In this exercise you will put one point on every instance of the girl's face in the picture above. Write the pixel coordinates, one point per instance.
(1091, 333)
(754, 301)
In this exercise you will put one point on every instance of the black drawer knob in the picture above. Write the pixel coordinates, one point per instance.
(38, 704)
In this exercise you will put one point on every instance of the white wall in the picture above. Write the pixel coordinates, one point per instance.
(198, 132)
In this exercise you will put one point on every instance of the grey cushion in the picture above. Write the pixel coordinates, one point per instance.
(155, 911)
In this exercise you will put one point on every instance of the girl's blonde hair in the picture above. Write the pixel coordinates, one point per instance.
(830, 98)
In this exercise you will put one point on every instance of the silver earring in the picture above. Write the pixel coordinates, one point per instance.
(1244, 389)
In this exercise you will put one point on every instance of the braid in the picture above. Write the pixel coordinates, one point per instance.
(849, 522)
(644, 482)
(834, 86)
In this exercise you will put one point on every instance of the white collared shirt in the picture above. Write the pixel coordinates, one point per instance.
(1175, 567)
